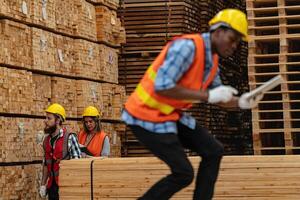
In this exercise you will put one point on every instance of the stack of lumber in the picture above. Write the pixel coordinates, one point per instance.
(109, 98)
(63, 91)
(113, 100)
(114, 132)
(16, 91)
(109, 29)
(149, 26)
(88, 93)
(87, 56)
(20, 182)
(18, 139)
(86, 19)
(108, 64)
(50, 52)
(112, 4)
(15, 44)
(241, 177)
(274, 49)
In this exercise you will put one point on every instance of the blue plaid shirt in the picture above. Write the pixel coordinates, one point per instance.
(179, 58)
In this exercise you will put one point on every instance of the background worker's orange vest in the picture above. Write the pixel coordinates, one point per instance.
(145, 104)
(95, 146)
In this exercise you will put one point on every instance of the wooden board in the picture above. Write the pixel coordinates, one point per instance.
(241, 177)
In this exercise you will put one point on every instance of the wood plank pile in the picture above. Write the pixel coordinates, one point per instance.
(241, 177)
(48, 52)
(18, 139)
(69, 17)
(51, 52)
(274, 28)
(115, 133)
(148, 27)
(20, 182)
(15, 44)
(109, 29)
(16, 91)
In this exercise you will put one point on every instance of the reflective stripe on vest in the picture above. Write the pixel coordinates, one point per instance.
(151, 102)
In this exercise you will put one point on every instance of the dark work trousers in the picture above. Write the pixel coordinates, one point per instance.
(53, 192)
(169, 148)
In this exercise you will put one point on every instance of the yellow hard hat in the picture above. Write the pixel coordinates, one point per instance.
(234, 18)
(57, 109)
(91, 111)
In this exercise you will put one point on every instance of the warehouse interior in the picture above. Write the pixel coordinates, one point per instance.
(80, 53)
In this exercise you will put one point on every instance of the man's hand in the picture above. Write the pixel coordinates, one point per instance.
(247, 102)
(43, 191)
(221, 94)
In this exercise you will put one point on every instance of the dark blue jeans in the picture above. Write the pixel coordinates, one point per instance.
(169, 148)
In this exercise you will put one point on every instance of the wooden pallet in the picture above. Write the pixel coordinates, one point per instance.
(241, 177)
(273, 50)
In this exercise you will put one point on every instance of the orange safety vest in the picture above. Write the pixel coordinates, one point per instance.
(95, 145)
(145, 104)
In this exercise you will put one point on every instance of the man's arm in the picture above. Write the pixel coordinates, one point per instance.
(181, 93)
(74, 148)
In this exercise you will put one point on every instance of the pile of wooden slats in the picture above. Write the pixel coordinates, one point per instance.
(274, 28)
(109, 28)
(240, 177)
(20, 182)
(51, 52)
(18, 139)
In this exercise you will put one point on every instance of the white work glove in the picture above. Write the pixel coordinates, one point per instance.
(248, 102)
(43, 191)
(221, 94)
